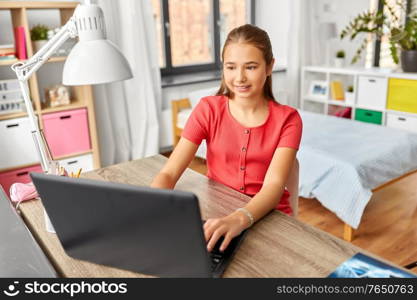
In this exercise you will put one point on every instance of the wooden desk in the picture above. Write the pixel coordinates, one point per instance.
(276, 246)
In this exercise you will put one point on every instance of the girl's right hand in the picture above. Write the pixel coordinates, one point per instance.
(229, 227)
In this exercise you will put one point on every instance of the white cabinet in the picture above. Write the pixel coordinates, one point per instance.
(73, 164)
(16, 143)
(380, 96)
(372, 92)
(402, 122)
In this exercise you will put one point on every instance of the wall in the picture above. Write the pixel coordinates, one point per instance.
(341, 13)
(274, 17)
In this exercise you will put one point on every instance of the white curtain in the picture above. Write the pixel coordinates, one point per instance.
(304, 45)
(128, 112)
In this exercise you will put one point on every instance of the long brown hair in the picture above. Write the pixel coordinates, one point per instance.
(258, 38)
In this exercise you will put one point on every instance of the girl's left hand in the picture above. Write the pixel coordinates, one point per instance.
(229, 227)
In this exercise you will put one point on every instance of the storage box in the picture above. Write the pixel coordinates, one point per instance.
(402, 122)
(368, 116)
(17, 146)
(402, 95)
(67, 132)
(372, 92)
(73, 164)
(19, 175)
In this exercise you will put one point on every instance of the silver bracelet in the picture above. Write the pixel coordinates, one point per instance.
(248, 214)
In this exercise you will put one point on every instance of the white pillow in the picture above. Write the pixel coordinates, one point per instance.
(182, 117)
(195, 96)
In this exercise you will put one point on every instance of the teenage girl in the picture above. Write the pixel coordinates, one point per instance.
(252, 140)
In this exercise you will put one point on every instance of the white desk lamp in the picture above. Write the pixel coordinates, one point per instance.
(93, 60)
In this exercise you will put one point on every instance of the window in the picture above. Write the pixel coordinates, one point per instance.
(379, 54)
(191, 33)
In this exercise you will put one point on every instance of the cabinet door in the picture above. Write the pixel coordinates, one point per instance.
(17, 146)
(21, 175)
(67, 132)
(368, 116)
(402, 95)
(73, 164)
(402, 122)
(372, 92)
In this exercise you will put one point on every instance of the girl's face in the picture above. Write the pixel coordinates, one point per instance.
(245, 70)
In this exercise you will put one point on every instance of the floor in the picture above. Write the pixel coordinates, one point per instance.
(389, 224)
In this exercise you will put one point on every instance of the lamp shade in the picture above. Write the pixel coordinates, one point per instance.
(94, 59)
(95, 62)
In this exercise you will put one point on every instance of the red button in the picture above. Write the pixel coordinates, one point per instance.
(242, 188)
(247, 131)
(243, 149)
(242, 168)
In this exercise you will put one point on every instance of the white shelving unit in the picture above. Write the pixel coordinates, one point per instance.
(376, 91)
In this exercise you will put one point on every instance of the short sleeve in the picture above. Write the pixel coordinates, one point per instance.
(196, 128)
(291, 131)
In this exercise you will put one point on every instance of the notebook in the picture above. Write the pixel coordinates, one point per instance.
(363, 266)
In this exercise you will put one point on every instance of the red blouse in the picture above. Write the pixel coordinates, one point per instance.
(239, 156)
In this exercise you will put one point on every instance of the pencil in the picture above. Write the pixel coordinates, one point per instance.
(79, 172)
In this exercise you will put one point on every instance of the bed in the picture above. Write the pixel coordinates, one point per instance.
(341, 161)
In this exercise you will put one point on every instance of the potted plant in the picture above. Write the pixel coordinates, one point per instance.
(339, 60)
(406, 37)
(379, 24)
(349, 95)
(39, 36)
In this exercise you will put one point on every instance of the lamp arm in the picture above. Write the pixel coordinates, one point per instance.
(23, 72)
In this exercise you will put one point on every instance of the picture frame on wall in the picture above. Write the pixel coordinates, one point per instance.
(318, 89)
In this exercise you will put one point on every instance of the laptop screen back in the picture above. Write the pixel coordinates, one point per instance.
(150, 231)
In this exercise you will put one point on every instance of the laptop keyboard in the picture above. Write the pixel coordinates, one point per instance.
(220, 259)
(216, 255)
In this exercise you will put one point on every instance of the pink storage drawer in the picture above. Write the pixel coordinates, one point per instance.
(20, 175)
(67, 131)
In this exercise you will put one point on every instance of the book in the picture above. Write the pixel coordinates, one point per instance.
(336, 89)
(20, 42)
(7, 57)
(6, 50)
(363, 266)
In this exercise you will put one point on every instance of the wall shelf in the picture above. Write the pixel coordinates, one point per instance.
(13, 116)
(8, 62)
(63, 108)
(73, 155)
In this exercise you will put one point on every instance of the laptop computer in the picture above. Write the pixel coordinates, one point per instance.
(146, 230)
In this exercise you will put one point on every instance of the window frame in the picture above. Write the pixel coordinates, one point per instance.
(377, 46)
(169, 69)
